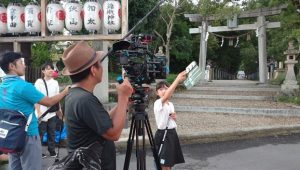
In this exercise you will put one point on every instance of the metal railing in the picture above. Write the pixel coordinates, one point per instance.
(221, 74)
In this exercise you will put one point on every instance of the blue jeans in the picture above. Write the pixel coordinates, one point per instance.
(29, 158)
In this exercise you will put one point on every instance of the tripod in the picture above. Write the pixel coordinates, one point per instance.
(140, 122)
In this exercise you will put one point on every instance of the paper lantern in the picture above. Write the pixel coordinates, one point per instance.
(55, 17)
(74, 16)
(15, 18)
(92, 16)
(32, 18)
(112, 15)
(3, 19)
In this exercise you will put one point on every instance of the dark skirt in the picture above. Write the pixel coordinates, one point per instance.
(171, 153)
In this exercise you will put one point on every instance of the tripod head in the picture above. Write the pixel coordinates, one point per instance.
(139, 99)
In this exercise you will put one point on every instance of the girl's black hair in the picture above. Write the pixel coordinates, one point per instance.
(45, 65)
(161, 84)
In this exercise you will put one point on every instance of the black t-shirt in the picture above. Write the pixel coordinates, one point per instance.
(86, 121)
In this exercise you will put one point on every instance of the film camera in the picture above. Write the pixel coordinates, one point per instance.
(140, 65)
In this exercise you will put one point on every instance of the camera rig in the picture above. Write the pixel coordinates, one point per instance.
(140, 65)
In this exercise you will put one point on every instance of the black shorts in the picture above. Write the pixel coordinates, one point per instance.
(171, 153)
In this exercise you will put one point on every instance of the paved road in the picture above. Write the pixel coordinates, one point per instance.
(270, 153)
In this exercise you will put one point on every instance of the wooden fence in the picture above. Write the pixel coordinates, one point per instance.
(32, 74)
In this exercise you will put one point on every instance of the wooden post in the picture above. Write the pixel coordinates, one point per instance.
(17, 47)
(124, 17)
(43, 18)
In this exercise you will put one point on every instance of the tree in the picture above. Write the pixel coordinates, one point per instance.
(169, 12)
(40, 53)
(137, 10)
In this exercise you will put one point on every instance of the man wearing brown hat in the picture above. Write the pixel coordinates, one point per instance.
(87, 120)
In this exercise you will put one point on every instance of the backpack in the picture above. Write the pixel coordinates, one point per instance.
(13, 128)
(82, 158)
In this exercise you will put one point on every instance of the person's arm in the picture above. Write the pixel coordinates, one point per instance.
(180, 77)
(118, 113)
(50, 101)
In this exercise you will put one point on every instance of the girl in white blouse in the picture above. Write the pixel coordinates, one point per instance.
(168, 147)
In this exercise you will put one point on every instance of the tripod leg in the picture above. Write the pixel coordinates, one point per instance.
(140, 151)
(152, 143)
(138, 157)
(143, 151)
(129, 144)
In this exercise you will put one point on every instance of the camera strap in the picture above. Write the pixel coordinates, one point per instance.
(46, 86)
(164, 137)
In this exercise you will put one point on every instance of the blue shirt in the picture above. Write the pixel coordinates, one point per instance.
(17, 94)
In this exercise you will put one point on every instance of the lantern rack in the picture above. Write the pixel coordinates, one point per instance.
(88, 37)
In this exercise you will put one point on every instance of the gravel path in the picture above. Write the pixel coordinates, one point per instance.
(197, 123)
(238, 93)
(214, 122)
(231, 103)
(191, 123)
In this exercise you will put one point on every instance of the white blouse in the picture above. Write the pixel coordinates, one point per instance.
(161, 112)
(53, 89)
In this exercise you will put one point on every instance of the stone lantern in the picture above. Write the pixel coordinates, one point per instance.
(162, 57)
(290, 83)
(160, 51)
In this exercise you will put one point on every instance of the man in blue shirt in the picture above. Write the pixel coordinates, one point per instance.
(17, 94)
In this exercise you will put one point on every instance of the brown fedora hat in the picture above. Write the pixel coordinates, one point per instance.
(78, 57)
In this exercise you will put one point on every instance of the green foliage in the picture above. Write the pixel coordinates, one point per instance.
(23, 2)
(279, 80)
(207, 7)
(292, 97)
(185, 47)
(182, 43)
(40, 53)
(138, 9)
(170, 78)
(63, 80)
(295, 99)
(298, 79)
(249, 56)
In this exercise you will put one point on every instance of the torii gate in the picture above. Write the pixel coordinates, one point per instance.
(261, 25)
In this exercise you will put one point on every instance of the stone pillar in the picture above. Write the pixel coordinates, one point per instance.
(262, 52)
(290, 83)
(203, 46)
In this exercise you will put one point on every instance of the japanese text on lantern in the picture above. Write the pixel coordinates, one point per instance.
(50, 20)
(30, 21)
(13, 17)
(93, 9)
(73, 9)
(110, 14)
